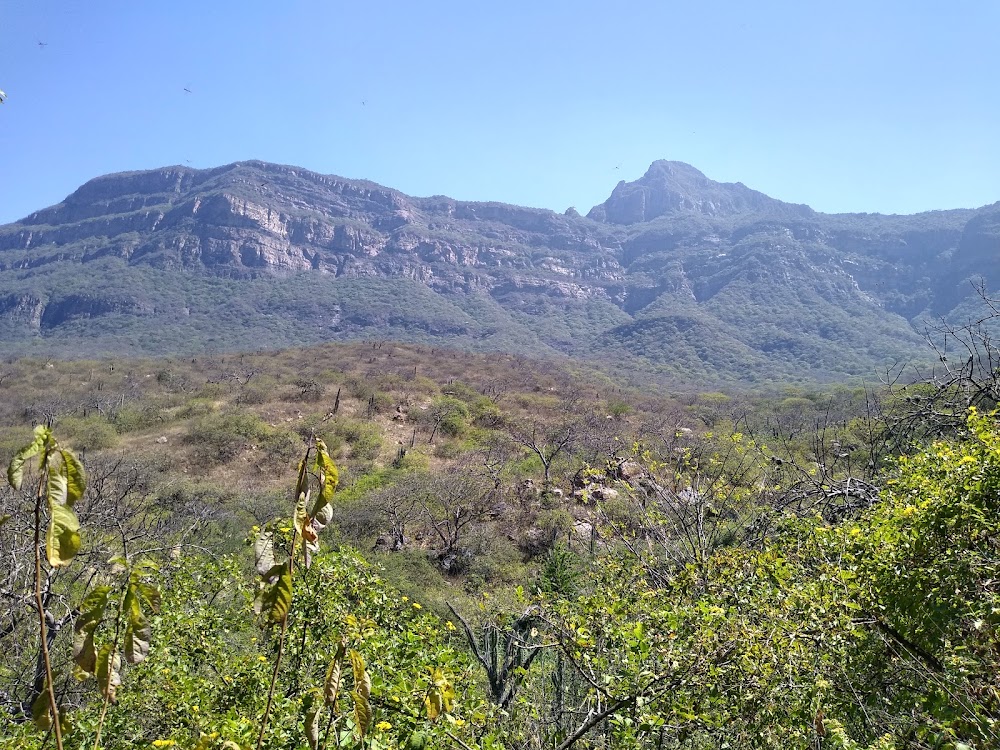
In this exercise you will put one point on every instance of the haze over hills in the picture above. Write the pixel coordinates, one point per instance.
(673, 273)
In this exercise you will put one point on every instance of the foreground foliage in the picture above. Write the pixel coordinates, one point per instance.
(779, 579)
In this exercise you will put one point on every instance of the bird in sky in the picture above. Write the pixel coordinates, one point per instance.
(42, 44)
(187, 90)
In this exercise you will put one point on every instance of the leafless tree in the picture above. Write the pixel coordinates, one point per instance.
(117, 518)
(924, 403)
(546, 440)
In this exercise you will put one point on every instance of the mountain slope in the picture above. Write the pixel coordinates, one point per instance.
(673, 273)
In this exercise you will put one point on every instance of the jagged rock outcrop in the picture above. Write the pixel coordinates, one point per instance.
(673, 187)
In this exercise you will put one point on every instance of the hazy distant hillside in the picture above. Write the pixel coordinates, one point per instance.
(674, 273)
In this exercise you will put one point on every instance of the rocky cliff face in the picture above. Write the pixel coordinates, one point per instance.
(771, 282)
(671, 187)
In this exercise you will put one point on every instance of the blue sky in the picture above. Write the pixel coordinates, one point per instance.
(848, 106)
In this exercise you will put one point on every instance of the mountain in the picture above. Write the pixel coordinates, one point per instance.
(674, 273)
(672, 187)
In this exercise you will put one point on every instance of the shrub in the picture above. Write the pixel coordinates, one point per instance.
(88, 433)
(197, 407)
(219, 438)
(485, 413)
(450, 414)
(363, 438)
(131, 418)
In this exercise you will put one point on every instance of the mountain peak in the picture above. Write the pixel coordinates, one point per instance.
(671, 187)
(673, 168)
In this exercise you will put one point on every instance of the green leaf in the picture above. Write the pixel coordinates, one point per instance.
(93, 605)
(109, 676)
(62, 541)
(76, 481)
(15, 470)
(4, 519)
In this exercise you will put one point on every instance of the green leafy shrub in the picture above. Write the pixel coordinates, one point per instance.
(92, 433)
(133, 418)
(219, 438)
(197, 407)
(485, 413)
(363, 438)
(451, 415)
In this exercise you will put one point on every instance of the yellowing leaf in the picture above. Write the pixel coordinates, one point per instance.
(138, 632)
(15, 470)
(440, 697)
(301, 519)
(41, 712)
(57, 487)
(361, 693)
(277, 598)
(108, 672)
(62, 541)
(263, 552)
(76, 482)
(331, 685)
(312, 720)
(328, 475)
(362, 713)
(91, 615)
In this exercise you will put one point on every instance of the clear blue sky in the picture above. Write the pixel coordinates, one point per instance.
(848, 106)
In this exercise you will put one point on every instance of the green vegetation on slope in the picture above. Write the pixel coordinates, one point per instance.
(552, 560)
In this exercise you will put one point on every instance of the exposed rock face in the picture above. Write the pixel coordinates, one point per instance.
(979, 247)
(25, 309)
(674, 268)
(85, 306)
(672, 187)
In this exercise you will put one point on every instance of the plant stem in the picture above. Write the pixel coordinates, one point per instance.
(274, 681)
(114, 650)
(42, 630)
(331, 724)
(100, 722)
(284, 622)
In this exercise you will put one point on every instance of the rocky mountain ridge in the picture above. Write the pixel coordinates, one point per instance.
(674, 272)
